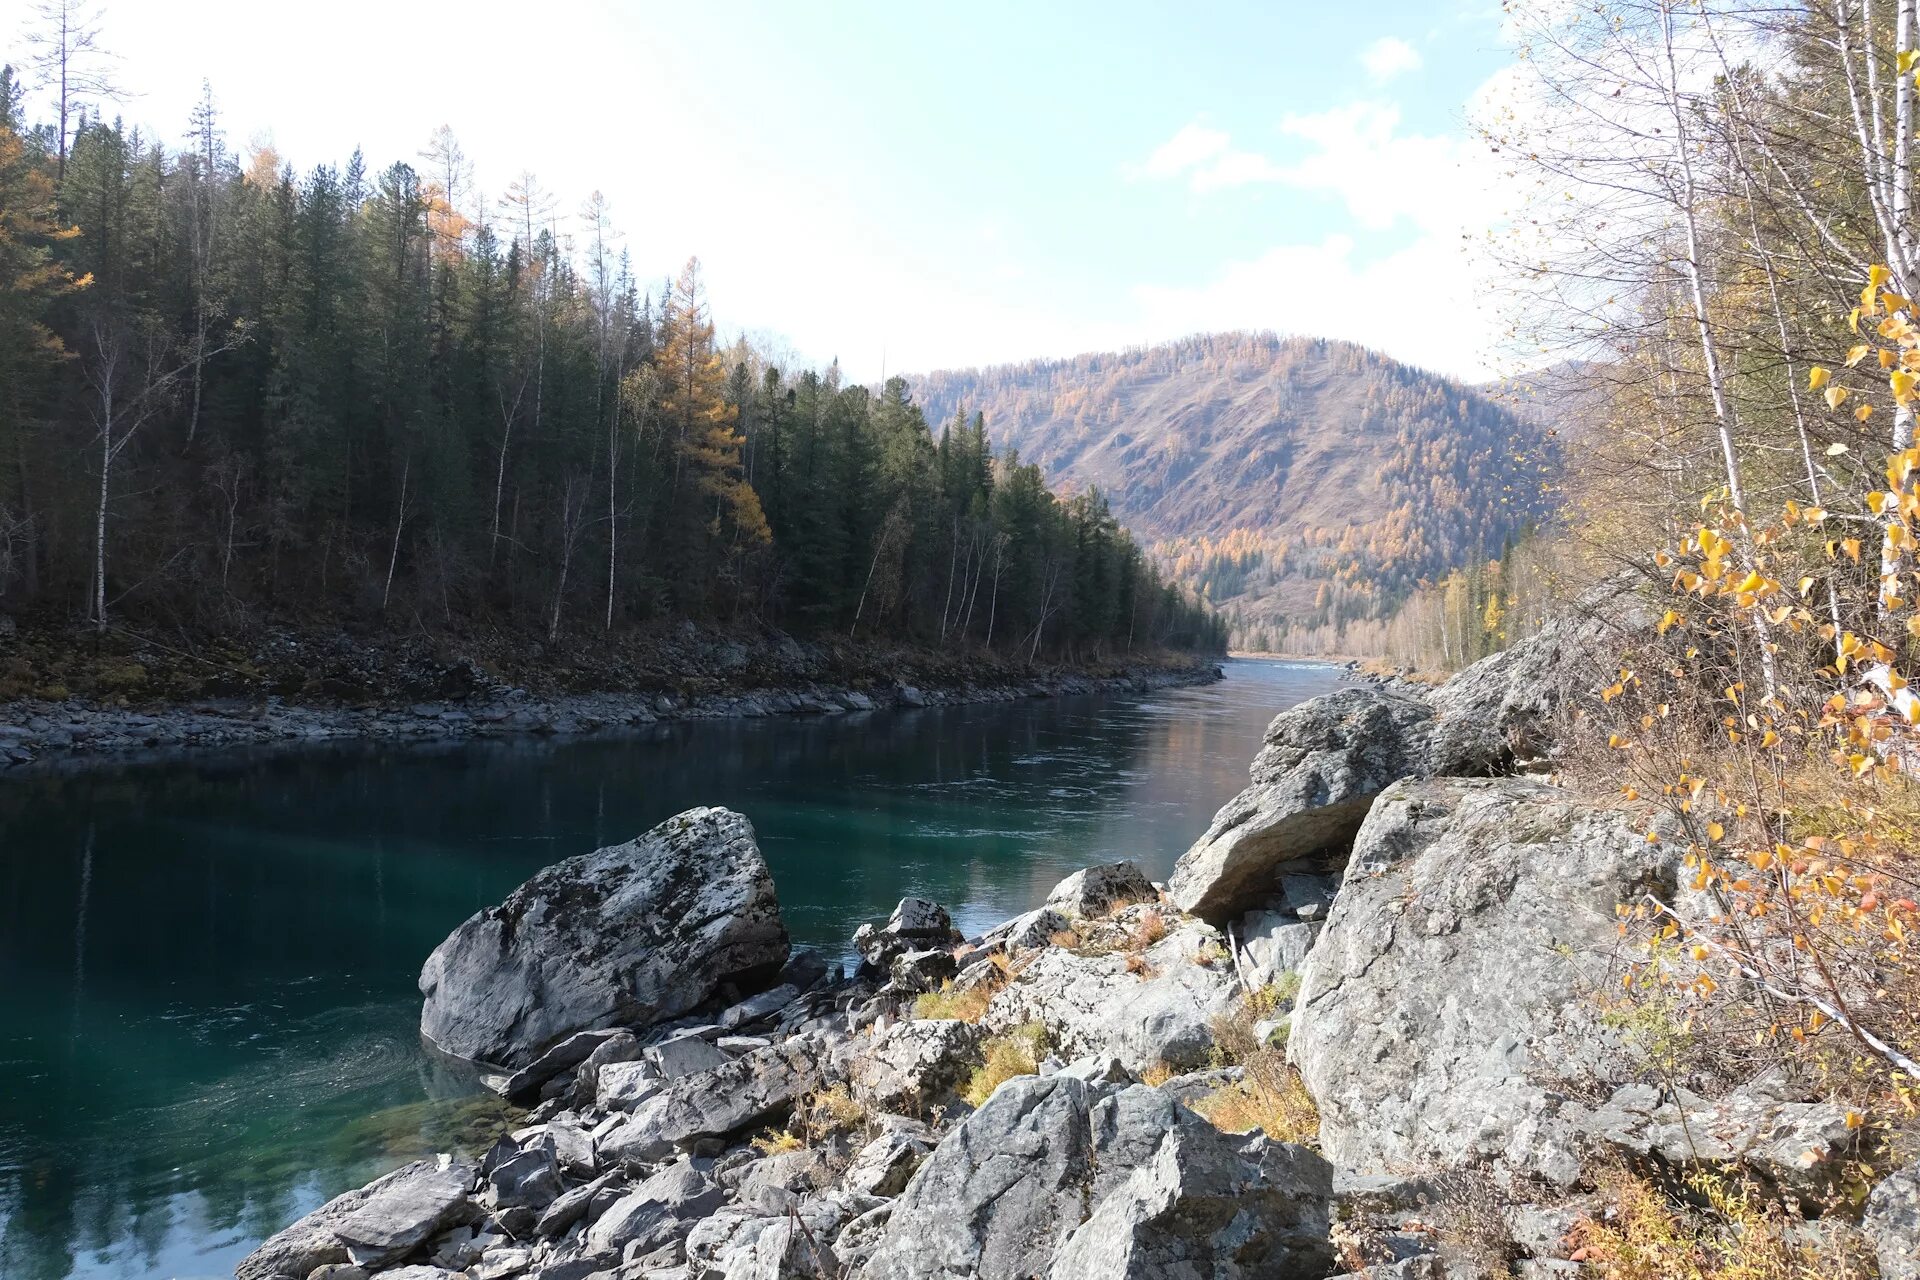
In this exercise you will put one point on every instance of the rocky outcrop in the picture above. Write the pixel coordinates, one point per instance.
(1322, 764)
(626, 936)
(1062, 1178)
(1450, 997)
(1150, 1008)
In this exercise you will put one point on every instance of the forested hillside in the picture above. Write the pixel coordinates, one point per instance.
(1304, 486)
(235, 393)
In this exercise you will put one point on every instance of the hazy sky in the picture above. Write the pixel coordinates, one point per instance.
(924, 185)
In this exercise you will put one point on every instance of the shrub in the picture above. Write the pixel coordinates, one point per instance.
(1017, 1053)
(775, 1142)
(1270, 1097)
(826, 1112)
(1147, 930)
(1737, 1234)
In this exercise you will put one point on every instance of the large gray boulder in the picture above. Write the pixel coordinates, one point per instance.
(1055, 1176)
(1148, 1009)
(377, 1224)
(624, 936)
(752, 1089)
(1322, 764)
(1451, 992)
(1510, 707)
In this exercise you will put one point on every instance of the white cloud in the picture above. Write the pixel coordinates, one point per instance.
(1188, 149)
(1389, 56)
(1419, 304)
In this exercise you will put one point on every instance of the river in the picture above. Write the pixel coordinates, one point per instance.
(207, 1004)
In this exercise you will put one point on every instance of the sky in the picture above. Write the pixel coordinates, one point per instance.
(906, 186)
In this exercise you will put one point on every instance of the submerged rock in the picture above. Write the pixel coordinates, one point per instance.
(1323, 764)
(625, 936)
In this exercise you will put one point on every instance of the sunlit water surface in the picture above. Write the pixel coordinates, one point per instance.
(207, 1000)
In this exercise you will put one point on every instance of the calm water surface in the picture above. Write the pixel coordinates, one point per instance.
(207, 1004)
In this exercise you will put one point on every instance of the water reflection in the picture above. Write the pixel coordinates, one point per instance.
(207, 1005)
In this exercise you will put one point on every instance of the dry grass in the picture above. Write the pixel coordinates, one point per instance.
(1066, 938)
(1270, 1098)
(968, 1004)
(1157, 1074)
(826, 1112)
(1740, 1235)
(1138, 966)
(1147, 930)
(1017, 1053)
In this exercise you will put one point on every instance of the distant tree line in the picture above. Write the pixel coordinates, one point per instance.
(232, 393)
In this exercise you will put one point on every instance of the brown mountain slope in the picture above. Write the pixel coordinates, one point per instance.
(1299, 483)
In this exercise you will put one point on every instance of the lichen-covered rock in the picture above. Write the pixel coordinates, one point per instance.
(1095, 891)
(625, 936)
(1794, 1146)
(1451, 990)
(752, 1089)
(1892, 1224)
(1053, 1176)
(1323, 763)
(914, 1063)
(1150, 1009)
(915, 925)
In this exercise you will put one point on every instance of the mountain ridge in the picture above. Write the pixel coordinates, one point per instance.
(1296, 482)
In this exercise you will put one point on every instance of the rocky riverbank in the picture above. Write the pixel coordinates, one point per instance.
(75, 730)
(1360, 1031)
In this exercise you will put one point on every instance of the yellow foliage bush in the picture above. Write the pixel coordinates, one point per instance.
(1017, 1053)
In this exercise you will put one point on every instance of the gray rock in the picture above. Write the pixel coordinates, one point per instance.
(564, 1056)
(627, 935)
(912, 1064)
(745, 1091)
(754, 1008)
(405, 1212)
(1508, 708)
(917, 971)
(1006, 1193)
(1096, 891)
(498, 1264)
(652, 1212)
(620, 1086)
(1274, 944)
(1025, 932)
(915, 925)
(1794, 1146)
(571, 1206)
(1892, 1224)
(1451, 991)
(805, 969)
(684, 1055)
(313, 1241)
(531, 1177)
(1094, 1004)
(883, 1165)
(1323, 763)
